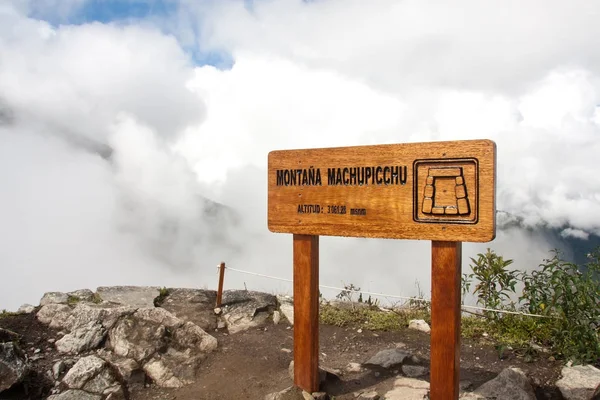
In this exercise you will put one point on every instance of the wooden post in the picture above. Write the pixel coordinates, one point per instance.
(220, 290)
(306, 312)
(445, 319)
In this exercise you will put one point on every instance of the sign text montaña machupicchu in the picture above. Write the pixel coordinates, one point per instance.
(345, 176)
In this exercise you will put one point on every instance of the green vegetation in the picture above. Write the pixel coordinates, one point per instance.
(564, 295)
(4, 314)
(72, 300)
(368, 317)
(163, 293)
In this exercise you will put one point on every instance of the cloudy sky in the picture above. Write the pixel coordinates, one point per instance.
(118, 118)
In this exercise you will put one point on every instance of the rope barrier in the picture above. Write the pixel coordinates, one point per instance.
(388, 295)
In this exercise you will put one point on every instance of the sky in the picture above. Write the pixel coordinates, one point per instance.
(121, 122)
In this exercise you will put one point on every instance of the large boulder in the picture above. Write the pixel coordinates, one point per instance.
(61, 316)
(82, 339)
(510, 384)
(13, 366)
(134, 296)
(167, 348)
(578, 382)
(54, 298)
(243, 309)
(93, 375)
(193, 305)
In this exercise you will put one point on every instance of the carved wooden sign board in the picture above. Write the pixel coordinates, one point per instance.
(438, 191)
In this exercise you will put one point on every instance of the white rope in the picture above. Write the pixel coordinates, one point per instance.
(388, 295)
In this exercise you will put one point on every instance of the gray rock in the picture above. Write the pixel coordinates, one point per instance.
(354, 367)
(414, 371)
(48, 312)
(408, 389)
(82, 339)
(276, 317)
(290, 393)
(168, 348)
(162, 375)
(54, 298)
(193, 305)
(388, 358)
(578, 382)
(13, 366)
(106, 314)
(286, 307)
(58, 369)
(368, 396)
(83, 370)
(136, 338)
(92, 374)
(128, 369)
(26, 309)
(510, 384)
(419, 325)
(243, 309)
(75, 395)
(81, 295)
(133, 296)
(320, 396)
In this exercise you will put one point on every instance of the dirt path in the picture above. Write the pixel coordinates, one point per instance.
(251, 364)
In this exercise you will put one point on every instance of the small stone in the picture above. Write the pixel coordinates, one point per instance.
(57, 369)
(354, 367)
(51, 340)
(276, 317)
(359, 331)
(307, 396)
(218, 310)
(368, 396)
(320, 396)
(36, 351)
(388, 358)
(419, 325)
(286, 350)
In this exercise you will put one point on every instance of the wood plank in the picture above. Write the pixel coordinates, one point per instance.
(306, 312)
(429, 191)
(445, 319)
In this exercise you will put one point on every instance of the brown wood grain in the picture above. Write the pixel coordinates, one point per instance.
(445, 319)
(221, 279)
(391, 210)
(306, 312)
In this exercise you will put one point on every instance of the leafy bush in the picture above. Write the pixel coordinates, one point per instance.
(567, 295)
(570, 295)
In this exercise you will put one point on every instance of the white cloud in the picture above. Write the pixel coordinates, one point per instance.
(327, 73)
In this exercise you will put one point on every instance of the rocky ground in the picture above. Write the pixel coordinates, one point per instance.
(147, 343)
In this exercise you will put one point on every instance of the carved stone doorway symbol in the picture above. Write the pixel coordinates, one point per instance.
(445, 192)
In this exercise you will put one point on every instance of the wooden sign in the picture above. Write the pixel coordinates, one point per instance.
(431, 191)
(443, 191)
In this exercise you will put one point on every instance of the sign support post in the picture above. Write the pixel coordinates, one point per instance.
(445, 319)
(439, 191)
(306, 312)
